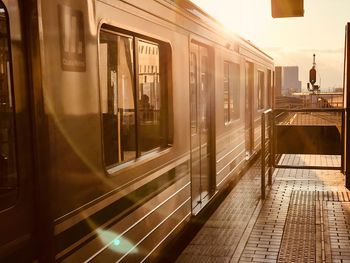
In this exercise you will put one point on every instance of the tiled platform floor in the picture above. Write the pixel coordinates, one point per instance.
(305, 218)
(310, 160)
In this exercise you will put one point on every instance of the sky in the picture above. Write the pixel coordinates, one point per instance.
(291, 41)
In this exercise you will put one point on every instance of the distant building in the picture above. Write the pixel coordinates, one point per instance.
(287, 80)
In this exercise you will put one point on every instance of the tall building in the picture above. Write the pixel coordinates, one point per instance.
(287, 80)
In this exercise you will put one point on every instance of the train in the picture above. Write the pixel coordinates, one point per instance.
(120, 122)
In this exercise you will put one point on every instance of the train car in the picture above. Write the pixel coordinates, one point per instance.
(120, 121)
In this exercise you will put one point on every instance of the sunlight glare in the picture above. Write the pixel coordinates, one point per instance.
(116, 242)
(249, 19)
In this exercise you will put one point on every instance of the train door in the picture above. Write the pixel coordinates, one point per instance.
(249, 129)
(200, 124)
(17, 239)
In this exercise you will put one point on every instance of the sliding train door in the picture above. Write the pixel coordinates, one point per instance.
(18, 229)
(249, 129)
(201, 148)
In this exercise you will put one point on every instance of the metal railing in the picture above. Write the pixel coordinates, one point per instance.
(282, 130)
(310, 123)
(267, 154)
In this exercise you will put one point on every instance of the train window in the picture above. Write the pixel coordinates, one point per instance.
(261, 89)
(234, 90)
(226, 93)
(149, 100)
(269, 89)
(118, 107)
(231, 92)
(8, 172)
(133, 96)
(193, 92)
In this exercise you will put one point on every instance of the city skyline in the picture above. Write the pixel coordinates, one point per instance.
(291, 41)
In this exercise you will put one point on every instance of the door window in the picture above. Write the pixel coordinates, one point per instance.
(8, 171)
(261, 90)
(231, 92)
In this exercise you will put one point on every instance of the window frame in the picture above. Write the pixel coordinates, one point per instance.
(166, 134)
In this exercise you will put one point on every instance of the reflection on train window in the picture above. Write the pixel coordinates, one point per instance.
(231, 92)
(149, 99)
(132, 96)
(8, 173)
(261, 88)
(117, 97)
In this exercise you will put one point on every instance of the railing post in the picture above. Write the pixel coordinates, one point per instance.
(270, 146)
(347, 147)
(273, 145)
(346, 106)
(342, 143)
(263, 156)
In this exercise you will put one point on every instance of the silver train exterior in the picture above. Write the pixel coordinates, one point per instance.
(120, 121)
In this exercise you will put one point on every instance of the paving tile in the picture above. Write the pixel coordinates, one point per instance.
(319, 220)
(339, 229)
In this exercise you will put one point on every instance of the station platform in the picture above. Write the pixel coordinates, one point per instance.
(304, 218)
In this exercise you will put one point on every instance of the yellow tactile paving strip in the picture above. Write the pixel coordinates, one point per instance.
(299, 233)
